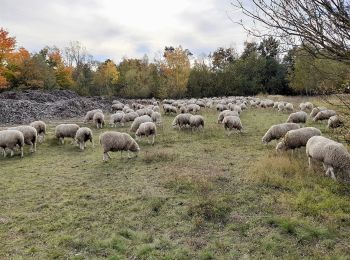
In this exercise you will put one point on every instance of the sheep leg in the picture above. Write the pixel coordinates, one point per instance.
(153, 137)
(331, 170)
(121, 154)
(105, 157)
(309, 159)
(35, 147)
(61, 140)
(22, 152)
(81, 146)
(129, 156)
(12, 152)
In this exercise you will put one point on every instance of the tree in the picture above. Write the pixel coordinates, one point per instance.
(7, 46)
(106, 78)
(222, 57)
(321, 25)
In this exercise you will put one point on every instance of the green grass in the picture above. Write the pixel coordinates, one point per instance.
(196, 195)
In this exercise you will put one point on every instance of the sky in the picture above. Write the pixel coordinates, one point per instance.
(117, 29)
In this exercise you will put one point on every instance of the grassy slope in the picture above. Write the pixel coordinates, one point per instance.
(202, 195)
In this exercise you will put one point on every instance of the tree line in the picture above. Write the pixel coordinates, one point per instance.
(262, 67)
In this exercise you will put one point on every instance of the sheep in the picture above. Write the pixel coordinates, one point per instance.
(146, 129)
(232, 122)
(196, 122)
(117, 118)
(156, 118)
(297, 117)
(99, 119)
(168, 109)
(156, 108)
(193, 108)
(324, 115)
(40, 127)
(9, 139)
(116, 141)
(306, 106)
(30, 135)
(333, 155)
(90, 114)
(289, 107)
(297, 138)
(280, 106)
(278, 131)
(181, 120)
(221, 107)
(315, 110)
(236, 108)
(83, 135)
(117, 107)
(66, 130)
(334, 122)
(138, 121)
(183, 109)
(128, 117)
(226, 113)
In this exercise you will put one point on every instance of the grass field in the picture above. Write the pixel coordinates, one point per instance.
(190, 196)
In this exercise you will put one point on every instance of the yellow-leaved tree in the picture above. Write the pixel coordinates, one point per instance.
(106, 78)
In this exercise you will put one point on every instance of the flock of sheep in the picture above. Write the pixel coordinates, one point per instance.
(145, 116)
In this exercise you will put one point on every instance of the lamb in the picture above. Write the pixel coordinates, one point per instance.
(334, 122)
(316, 110)
(297, 138)
(138, 121)
(83, 135)
(278, 131)
(181, 120)
(146, 129)
(90, 114)
(99, 119)
(196, 122)
(30, 135)
(226, 113)
(40, 127)
(156, 118)
(9, 139)
(333, 155)
(232, 122)
(116, 118)
(324, 115)
(297, 117)
(116, 141)
(66, 130)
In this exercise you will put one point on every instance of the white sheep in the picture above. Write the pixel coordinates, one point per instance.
(66, 130)
(324, 115)
(297, 117)
(147, 129)
(99, 119)
(276, 132)
(30, 135)
(333, 155)
(315, 110)
(90, 114)
(232, 122)
(83, 135)
(116, 141)
(193, 108)
(156, 118)
(138, 121)
(40, 127)
(289, 107)
(117, 107)
(181, 120)
(117, 118)
(196, 122)
(297, 138)
(306, 106)
(128, 117)
(10, 139)
(334, 122)
(226, 113)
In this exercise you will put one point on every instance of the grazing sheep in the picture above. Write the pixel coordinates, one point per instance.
(40, 127)
(128, 117)
(30, 135)
(232, 122)
(333, 155)
(183, 109)
(66, 130)
(117, 118)
(181, 120)
(156, 118)
(99, 119)
(196, 122)
(289, 107)
(226, 113)
(168, 109)
(156, 108)
(297, 138)
(278, 131)
(117, 107)
(116, 141)
(324, 115)
(334, 122)
(193, 108)
(83, 135)
(297, 117)
(90, 115)
(306, 106)
(316, 110)
(10, 139)
(221, 107)
(146, 129)
(138, 121)
(236, 108)
(280, 106)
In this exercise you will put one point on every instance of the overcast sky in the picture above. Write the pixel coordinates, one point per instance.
(132, 28)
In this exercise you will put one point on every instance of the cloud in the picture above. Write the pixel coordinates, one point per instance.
(122, 28)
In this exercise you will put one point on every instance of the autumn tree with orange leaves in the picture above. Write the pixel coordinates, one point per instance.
(7, 46)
